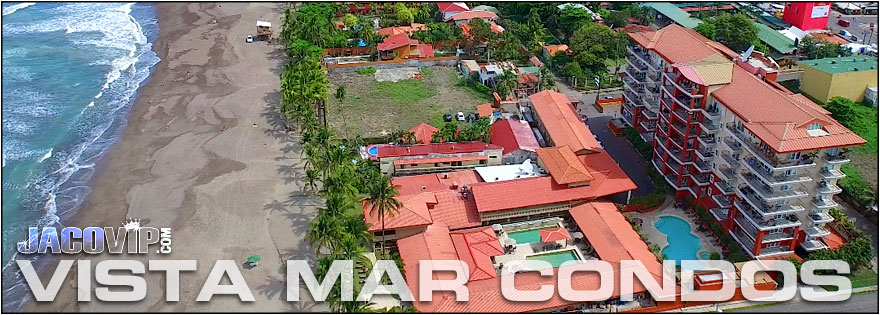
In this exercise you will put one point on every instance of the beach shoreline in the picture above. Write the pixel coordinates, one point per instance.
(205, 154)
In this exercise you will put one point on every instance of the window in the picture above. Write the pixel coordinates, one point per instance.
(785, 187)
(794, 156)
(814, 126)
(833, 151)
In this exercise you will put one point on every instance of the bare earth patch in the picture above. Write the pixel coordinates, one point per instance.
(373, 109)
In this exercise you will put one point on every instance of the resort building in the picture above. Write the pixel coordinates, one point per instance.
(401, 160)
(559, 124)
(842, 76)
(763, 160)
(517, 139)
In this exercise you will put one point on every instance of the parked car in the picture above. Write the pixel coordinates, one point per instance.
(473, 117)
(447, 117)
(459, 116)
(249, 39)
(845, 34)
(843, 23)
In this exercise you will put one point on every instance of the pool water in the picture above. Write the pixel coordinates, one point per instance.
(526, 237)
(705, 255)
(556, 258)
(682, 244)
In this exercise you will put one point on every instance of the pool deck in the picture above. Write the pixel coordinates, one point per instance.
(657, 237)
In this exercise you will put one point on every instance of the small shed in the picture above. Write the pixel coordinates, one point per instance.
(264, 30)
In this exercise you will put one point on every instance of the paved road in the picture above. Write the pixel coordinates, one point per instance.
(860, 25)
(860, 303)
(626, 156)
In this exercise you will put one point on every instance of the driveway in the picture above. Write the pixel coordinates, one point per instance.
(626, 156)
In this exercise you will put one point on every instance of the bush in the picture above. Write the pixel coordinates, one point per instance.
(646, 202)
(844, 223)
(842, 109)
(367, 70)
(645, 149)
(482, 88)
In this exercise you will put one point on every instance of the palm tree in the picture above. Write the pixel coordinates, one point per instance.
(322, 231)
(505, 83)
(382, 200)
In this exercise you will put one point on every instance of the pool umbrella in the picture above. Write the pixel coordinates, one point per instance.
(496, 227)
(253, 259)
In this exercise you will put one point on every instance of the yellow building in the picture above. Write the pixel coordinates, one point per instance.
(842, 76)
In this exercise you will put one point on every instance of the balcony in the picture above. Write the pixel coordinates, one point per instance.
(828, 188)
(681, 128)
(724, 187)
(686, 88)
(706, 141)
(838, 158)
(633, 87)
(820, 203)
(762, 207)
(747, 244)
(682, 115)
(702, 166)
(722, 201)
(635, 73)
(774, 251)
(647, 126)
(677, 140)
(638, 62)
(820, 217)
(730, 160)
(770, 179)
(816, 231)
(814, 245)
(775, 237)
(627, 117)
(832, 174)
(639, 54)
(700, 179)
(719, 213)
(727, 174)
(733, 145)
(711, 113)
(649, 113)
(647, 136)
(709, 127)
(686, 102)
(775, 223)
(705, 155)
(767, 156)
(768, 193)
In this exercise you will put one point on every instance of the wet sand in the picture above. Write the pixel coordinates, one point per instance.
(205, 154)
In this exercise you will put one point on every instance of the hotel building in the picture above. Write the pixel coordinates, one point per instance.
(765, 161)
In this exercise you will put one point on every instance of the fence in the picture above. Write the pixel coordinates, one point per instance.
(392, 64)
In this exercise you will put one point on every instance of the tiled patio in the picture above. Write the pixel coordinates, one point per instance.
(709, 242)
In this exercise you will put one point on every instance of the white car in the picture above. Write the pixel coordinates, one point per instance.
(249, 39)
(459, 116)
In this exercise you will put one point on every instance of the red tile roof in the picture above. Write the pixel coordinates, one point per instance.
(452, 7)
(611, 235)
(443, 159)
(678, 44)
(528, 77)
(535, 61)
(563, 165)
(409, 185)
(608, 179)
(394, 30)
(553, 235)
(562, 123)
(394, 41)
(413, 212)
(426, 51)
(455, 211)
(476, 248)
(783, 124)
(834, 240)
(468, 15)
(384, 151)
(513, 135)
(424, 132)
(553, 49)
(485, 110)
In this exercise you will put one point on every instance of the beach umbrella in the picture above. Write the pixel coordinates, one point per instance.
(254, 259)
(496, 227)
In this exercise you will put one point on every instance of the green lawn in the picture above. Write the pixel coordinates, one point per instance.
(861, 278)
(866, 126)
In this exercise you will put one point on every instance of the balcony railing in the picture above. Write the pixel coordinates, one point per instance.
(820, 203)
(719, 213)
(820, 217)
(711, 113)
(686, 89)
(832, 174)
(814, 244)
(700, 179)
(647, 126)
(637, 62)
(682, 115)
(774, 237)
(733, 145)
(709, 127)
(776, 223)
(828, 188)
(762, 207)
(707, 141)
(649, 113)
(627, 117)
(722, 201)
(724, 187)
(726, 173)
(730, 160)
(702, 166)
(635, 73)
(816, 231)
(773, 180)
(704, 154)
(836, 158)
(766, 156)
(767, 193)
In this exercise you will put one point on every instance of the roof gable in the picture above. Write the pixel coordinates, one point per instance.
(562, 123)
(563, 165)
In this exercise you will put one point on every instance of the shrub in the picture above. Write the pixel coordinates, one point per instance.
(646, 202)
(482, 88)
(714, 256)
(367, 70)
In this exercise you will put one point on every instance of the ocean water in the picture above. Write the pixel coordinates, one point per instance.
(70, 75)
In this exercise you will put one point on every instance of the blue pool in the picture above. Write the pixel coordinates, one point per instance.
(682, 244)
(373, 150)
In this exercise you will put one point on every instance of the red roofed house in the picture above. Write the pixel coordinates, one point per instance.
(467, 16)
(764, 161)
(451, 8)
(408, 30)
(436, 157)
(517, 139)
(551, 50)
(559, 123)
(423, 132)
(400, 46)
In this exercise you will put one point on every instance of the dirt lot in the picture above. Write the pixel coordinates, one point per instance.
(372, 108)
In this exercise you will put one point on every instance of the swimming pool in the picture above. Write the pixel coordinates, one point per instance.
(526, 237)
(683, 245)
(555, 258)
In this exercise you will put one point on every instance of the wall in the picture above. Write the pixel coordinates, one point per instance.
(815, 83)
(393, 64)
(852, 85)
(800, 14)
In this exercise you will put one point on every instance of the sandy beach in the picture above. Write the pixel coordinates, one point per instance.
(204, 154)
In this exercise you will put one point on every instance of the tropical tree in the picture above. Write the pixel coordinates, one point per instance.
(505, 83)
(404, 15)
(350, 20)
(323, 231)
(382, 201)
(546, 82)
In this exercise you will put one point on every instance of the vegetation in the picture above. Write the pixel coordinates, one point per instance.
(858, 253)
(844, 223)
(736, 253)
(736, 31)
(439, 32)
(367, 70)
(811, 48)
(862, 120)
(478, 130)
